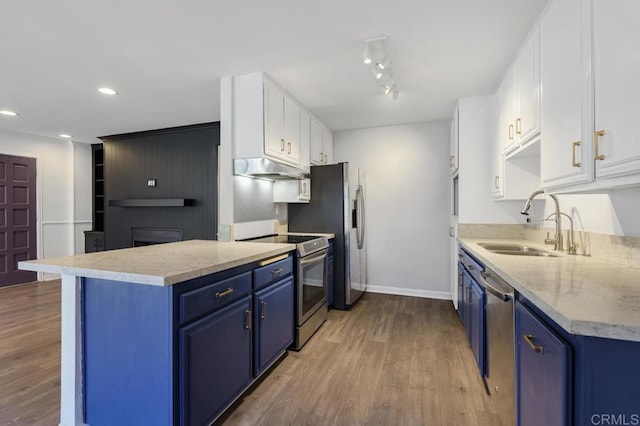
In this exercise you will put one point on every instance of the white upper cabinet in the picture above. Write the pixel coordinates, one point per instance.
(274, 140)
(268, 122)
(453, 157)
(617, 88)
(527, 123)
(565, 157)
(305, 140)
(327, 145)
(321, 144)
(519, 97)
(506, 99)
(281, 125)
(496, 131)
(317, 155)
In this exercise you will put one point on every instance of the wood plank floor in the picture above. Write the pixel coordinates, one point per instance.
(30, 354)
(391, 360)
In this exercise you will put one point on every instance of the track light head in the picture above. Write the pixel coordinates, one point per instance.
(367, 57)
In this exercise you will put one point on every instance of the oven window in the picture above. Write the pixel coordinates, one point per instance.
(313, 285)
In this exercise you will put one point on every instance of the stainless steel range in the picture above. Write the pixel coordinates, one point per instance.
(311, 282)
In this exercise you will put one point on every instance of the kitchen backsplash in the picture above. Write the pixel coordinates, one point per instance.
(614, 248)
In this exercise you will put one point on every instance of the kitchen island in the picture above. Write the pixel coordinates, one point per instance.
(166, 334)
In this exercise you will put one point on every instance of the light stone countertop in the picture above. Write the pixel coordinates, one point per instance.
(159, 264)
(585, 295)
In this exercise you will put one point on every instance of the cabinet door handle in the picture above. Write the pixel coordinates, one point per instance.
(321, 157)
(574, 145)
(519, 126)
(281, 144)
(510, 132)
(596, 143)
(451, 161)
(304, 187)
(496, 182)
(276, 273)
(263, 315)
(288, 147)
(536, 348)
(470, 267)
(224, 293)
(326, 159)
(247, 319)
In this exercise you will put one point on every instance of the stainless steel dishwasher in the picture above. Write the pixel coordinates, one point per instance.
(501, 345)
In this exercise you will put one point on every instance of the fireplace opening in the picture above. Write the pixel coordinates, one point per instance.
(149, 236)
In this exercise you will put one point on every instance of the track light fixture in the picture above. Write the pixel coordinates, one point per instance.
(376, 56)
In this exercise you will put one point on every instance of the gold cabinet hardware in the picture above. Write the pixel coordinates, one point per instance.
(596, 143)
(519, 126)
(273, 260)
(510, 132)
(536, 348)
(496, 182)
(282, 145)
(288, 147)
(574, 145)
(276, 273)
(263, 315)
(247, 319)
(224, 293)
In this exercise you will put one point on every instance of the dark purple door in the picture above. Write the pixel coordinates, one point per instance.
(17, 217)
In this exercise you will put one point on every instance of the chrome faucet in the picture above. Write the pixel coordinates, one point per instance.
(557, 240)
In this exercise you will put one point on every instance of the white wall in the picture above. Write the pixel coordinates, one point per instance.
(613, 213)
(407, 205)
(63, 190)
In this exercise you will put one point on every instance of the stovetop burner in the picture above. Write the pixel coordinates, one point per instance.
(305, 244)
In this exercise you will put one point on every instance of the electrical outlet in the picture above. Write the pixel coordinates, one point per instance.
(151, 183)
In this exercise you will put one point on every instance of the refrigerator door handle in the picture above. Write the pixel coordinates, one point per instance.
(360, 213)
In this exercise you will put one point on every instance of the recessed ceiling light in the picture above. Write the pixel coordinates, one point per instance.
(8, 113)
(107, 91)
(64, 135)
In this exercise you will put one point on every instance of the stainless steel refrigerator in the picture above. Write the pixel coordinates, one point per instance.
(338, 206)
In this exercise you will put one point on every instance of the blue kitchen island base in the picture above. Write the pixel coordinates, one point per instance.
(180, 354)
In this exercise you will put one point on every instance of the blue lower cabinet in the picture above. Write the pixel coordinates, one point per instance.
(477, 326)
(273, 321)
(543, 372)
(461, 291)
(215, 362)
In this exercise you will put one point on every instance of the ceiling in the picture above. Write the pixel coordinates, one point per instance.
(166, 58)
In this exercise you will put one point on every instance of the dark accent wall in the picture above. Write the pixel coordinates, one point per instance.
(184, 163)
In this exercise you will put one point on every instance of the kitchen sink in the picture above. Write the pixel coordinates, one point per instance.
(516, 249)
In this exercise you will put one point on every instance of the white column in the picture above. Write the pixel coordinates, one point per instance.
(71, 410)
(225, 162)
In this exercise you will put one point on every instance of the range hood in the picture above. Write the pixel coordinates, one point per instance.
(264, 168)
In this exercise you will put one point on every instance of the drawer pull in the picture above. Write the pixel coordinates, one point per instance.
(247, 319)
(470, 267)
(224, 293)
(276, 273)
(264, 310)
(273, 260)
(536, 348)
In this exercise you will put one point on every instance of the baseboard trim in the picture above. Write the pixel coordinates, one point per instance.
(426, 294)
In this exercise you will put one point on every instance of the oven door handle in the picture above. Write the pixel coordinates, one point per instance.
(314, 258)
